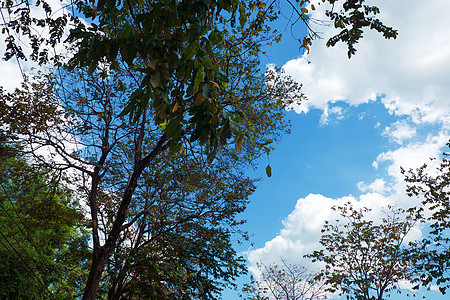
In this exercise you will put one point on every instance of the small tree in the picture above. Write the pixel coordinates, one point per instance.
(288, 281)
(364, 260)
(431, 255)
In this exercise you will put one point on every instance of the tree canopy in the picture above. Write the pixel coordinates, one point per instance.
(365, 260)
(181, 48)
(153, 115)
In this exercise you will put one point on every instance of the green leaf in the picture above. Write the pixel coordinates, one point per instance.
(132, 103)
(127, 31)
(222, 78)
(268, 171)
(242, 14)
(127, 109)
(155, 79)
(113, 51)
(215, 37)
(190, 51)
(208, 63)
(198, 79)
(128, 52)
(172, 128)
(145, 80)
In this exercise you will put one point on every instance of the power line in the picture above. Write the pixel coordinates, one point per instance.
(30, 271)
(20, 228)
(10, 37)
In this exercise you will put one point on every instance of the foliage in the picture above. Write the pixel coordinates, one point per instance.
(179, 47)
(144, 199)
(364, 260)
(431, 255)
(352, 19)
(146, 84)
(289, 281)
(42, 247)
(180, 246)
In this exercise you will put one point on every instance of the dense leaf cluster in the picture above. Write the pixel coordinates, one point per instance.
(354, 16)
(43, 246)
(179, 47)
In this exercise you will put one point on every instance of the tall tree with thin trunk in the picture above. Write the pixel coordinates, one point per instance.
(129, 172)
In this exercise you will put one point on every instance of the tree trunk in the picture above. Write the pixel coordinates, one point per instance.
(95, 274)
(102, 253)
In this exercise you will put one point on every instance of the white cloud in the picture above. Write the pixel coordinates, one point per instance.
(300, 232)
(413, 155)
(411, 72)
(301, 228)
(329, 113)
(400, 131)
(378, 186)
(410, 75)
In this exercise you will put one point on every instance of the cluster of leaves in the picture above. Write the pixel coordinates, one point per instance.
(180, 244)
(175, 235)
(43, 246)
(179, 47)
(352, 19)
(364, 260)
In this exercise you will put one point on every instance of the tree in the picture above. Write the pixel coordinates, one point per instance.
(180, 247)
(431, 255)
(186, 75)
(289, 282)
(364, 260)
(42, 244)
(126, 171)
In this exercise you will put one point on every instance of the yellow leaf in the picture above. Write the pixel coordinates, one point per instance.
(239, 139)
(175, 107)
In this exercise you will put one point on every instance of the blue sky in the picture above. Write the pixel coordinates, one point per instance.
(386, 107)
